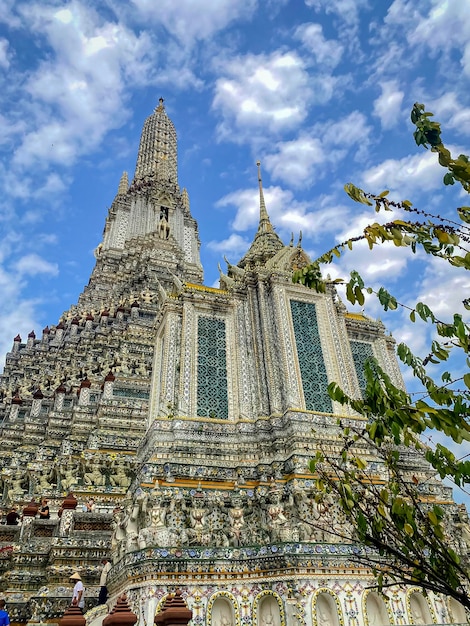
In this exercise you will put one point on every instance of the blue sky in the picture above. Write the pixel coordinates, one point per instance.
(318, 90)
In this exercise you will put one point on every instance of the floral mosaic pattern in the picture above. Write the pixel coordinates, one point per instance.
(361, 352)
(310, 355)
(212, 397)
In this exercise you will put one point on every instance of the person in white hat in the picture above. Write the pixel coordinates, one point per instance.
(78, 591)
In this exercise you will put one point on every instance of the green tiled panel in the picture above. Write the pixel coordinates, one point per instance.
(212, 396)
(361, 352)
(311, 362)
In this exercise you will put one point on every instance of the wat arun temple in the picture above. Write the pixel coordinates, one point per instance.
(189, 414)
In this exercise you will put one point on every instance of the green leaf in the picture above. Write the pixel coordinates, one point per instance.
(408, 528)
(359, 295)
(356, 194)
(397, 521)
(361, 464)
(464, 214)
(386, 299)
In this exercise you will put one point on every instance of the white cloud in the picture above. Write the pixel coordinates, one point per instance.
(446, 26)
(405, 177)
(295, 161)
(33, 264)
(346, 131)
(304, 160)
(451, 112)
(346, 20)
(195, 19)
(387, 106)
(347, 10)
(18, 316)
(233, 245)
(4, 54)
(256, 92)
(440, 26)
(415, 336)
(247, 203)
(402, 12)
(7, 15)
(10, 129)
(326, 52)
(287, 215)
(86, 64)
(443, 288)
(384, 265)
(53, 185)
(383, 262)
(78, 89)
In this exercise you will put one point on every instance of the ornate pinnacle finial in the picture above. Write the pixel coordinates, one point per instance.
(263, 214)
(185, 199)
(160, 106)
(123, 184)
(266, 242)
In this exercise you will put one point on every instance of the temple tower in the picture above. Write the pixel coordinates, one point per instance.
(183, 418)
(149, 235)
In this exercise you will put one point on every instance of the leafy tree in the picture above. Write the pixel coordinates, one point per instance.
(389, 510)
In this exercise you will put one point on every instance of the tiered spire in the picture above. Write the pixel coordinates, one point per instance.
(149, 213)
(158, 147)
(266, 242)
(123, 184)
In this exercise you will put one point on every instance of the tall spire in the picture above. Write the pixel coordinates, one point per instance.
(151, 214)
(266, 242)
(158, 147)
(263, 214)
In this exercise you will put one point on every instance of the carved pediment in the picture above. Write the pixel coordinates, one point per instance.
(289, 259)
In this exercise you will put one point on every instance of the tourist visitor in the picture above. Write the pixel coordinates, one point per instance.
(89, 506)
(13, 516)
(4, 617)
(78, 596)
(103, 578)
(44, 510)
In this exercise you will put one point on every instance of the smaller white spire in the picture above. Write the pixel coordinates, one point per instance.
(185, 199)
(123, 184)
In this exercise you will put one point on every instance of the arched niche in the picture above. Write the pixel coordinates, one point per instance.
(268, 610)
(418, 609)
(221, 610)
(326, 609)
(376, 610)
(457, 614)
